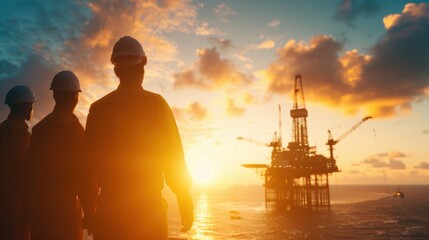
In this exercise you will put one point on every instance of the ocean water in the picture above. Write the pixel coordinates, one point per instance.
(357, 212)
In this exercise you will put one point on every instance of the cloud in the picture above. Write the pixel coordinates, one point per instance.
(192, 122)
(422, 165)
(349, 10)
(267, 44)
(205, 30)
(211, 71)
(391, 164)
(41, 38)
(194, 112)
(232, 109)
(383, 83)
(223, 11)
(411, 11)
(188, 78)
(274, 23)
(248, 98)
(318, 63)
(222, 44)
(396, 154)
(385, 160)
(198, 112)
(424, 132)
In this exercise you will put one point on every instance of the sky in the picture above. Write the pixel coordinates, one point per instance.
(225, 66)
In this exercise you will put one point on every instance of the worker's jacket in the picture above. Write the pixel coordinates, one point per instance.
(55, 173)
(132, 145)
(14, 140)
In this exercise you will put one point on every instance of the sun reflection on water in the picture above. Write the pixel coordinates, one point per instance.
(203, 224)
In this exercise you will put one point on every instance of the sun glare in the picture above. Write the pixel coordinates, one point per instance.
(202, 173)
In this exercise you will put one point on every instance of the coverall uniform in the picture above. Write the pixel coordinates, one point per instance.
(132, 145)
(14, 140)
(55, 161)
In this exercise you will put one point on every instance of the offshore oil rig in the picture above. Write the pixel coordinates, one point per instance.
(297, 177)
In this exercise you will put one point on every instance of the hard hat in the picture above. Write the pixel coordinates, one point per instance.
(19, 94)
(65, 81)
(128, 46)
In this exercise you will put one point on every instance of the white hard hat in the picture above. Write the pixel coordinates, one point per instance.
(128, 46)
(19, 94)
(65, 81)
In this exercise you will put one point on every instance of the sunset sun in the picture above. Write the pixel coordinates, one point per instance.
(202, 173)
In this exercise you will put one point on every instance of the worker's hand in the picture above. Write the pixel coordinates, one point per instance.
(88, 222)
(186, 208)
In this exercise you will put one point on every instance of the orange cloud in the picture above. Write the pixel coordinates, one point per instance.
(383, 83)
(422, 165)
(211, 72)
(390, 20)
(411, 11)
(352, 63)
(386, 160)
(267, 44)
(194, 112)
(232, 109)
(248, 98)
(197, 111)
(192, 121)
(205, 30)
(317, 62)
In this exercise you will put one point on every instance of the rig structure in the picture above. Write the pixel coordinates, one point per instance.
(297, 177)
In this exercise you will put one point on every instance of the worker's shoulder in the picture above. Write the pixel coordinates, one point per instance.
(10, 130)
(6, 126)
(153, 96)
(115, 97)
(43, 123)
(104, 101)
(10, 125)
(156, 100)
(57, 122)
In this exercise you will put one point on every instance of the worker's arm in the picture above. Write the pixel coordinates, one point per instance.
(175, 169)
(186, 208)
(89, 188)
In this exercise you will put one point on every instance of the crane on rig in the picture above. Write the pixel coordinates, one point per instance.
(276, 143)
(331, 142)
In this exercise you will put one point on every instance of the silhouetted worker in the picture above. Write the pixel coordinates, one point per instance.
(55, 164)
(133, 145)
(14, 140)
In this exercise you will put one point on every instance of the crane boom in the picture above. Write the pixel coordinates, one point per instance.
(253, 141)
(331, 142)
(352, 129)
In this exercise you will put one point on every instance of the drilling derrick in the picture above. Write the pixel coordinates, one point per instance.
(299, 116)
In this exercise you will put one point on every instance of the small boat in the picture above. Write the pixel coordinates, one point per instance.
(398, 194)
(234, 214)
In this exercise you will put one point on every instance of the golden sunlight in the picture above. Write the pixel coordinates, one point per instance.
(202, 173)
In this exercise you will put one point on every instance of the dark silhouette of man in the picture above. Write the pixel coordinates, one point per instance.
(55, 166)
(132, 145)
(14, 140)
